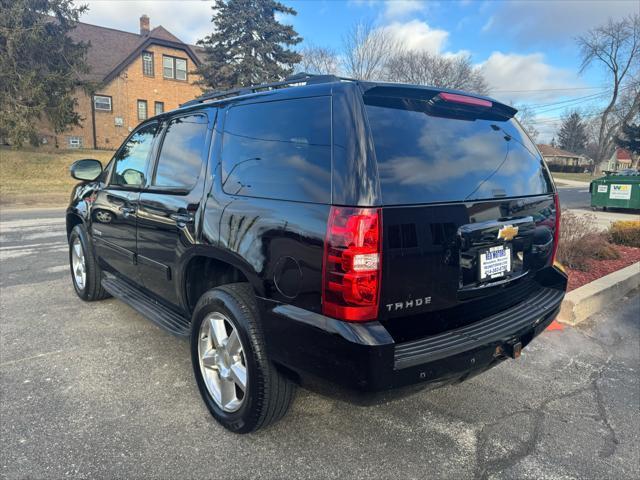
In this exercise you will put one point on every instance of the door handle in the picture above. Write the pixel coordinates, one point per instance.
(182, 219)
(126, 211)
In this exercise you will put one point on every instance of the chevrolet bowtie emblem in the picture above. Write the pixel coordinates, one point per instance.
(507, 233)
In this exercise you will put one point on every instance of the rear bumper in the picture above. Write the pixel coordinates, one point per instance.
(363, 357)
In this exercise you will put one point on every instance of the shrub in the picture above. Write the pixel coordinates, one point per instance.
(573, 229)
(597, 246)
(579, 242)
(554, 167)
(625, 233)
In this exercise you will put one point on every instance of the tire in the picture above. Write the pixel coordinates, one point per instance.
(91, 289)
(268, 394)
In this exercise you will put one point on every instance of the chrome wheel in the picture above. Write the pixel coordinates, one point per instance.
(78, 265)
(222, 362)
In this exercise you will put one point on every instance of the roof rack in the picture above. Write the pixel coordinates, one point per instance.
(305, 78)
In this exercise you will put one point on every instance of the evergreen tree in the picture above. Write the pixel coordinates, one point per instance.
(248, 45)
(629, 138)
(40, 67)
(573, 135)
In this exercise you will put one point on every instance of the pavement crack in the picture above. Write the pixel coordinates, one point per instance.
(611, 441)
(485, 467)
(534, 418)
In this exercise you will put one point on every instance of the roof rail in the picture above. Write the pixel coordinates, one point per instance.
(306, 78)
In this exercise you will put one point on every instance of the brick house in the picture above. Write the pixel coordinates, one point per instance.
(136, 77)
(559, 160)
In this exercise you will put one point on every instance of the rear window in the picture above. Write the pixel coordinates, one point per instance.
(279, 150)
(424, 158)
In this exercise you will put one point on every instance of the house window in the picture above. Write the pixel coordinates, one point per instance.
(181, 69)
(102, 102)
(174, 68)
(147, 64)
(167, 67)
(75, 142)
(159, 108)
(142, 109)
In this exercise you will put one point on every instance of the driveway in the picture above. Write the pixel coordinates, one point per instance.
(93, 390)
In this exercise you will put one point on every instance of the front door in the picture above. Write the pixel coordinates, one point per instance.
(169, 207)
(114, 210)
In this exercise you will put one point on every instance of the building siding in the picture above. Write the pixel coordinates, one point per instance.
(129, 86)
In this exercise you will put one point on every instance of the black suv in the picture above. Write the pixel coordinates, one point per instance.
(325, 232)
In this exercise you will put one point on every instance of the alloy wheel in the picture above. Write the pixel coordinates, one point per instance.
(222, 361)
(78, 264)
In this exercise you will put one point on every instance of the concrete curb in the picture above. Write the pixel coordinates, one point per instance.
(562, 182)
(583, 302)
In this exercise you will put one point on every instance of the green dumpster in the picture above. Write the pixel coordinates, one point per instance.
(616, 190)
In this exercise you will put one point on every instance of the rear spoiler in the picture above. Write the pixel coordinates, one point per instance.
(441, 100)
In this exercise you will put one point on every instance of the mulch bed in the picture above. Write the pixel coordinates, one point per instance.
(599, 268)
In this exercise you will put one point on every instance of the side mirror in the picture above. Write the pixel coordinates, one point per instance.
(133, 177)
(86, 170)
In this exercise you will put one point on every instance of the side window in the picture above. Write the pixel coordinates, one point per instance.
(182, 152)
(279, 150)
(131, 159)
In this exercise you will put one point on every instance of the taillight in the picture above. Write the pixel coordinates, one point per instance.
(352, 264)
(556, 233)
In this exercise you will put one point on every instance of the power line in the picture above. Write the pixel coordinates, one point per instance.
(554, 120)
(576, 101)
(564, 106)
(541, 105)
(543, 90)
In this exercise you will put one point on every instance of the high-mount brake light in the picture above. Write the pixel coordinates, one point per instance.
(464, 99)
(352, 264)
(556, 232)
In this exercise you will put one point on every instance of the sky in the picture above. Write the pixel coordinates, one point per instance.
(526, 49)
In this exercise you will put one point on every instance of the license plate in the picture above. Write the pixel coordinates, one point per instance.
(495, 262)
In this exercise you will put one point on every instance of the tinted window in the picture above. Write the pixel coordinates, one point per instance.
(183, 149)
(424, 158)
(131, 159)
(279, 150)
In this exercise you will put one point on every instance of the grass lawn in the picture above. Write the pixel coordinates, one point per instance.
(581, 177)
(30, 177)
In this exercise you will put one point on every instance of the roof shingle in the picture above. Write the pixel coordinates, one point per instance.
(110, 47)
(622, 154)
(550, 151)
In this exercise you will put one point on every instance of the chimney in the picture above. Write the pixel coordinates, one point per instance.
(144, 25)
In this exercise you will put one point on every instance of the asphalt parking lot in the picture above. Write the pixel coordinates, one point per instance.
(574, 197)
(96, 391)
(578, 201)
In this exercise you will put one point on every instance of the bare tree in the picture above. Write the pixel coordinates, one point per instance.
(426, 68)
(319, 60)
(367, 50)
(527, 120)
(615, 47)
(592, 128)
